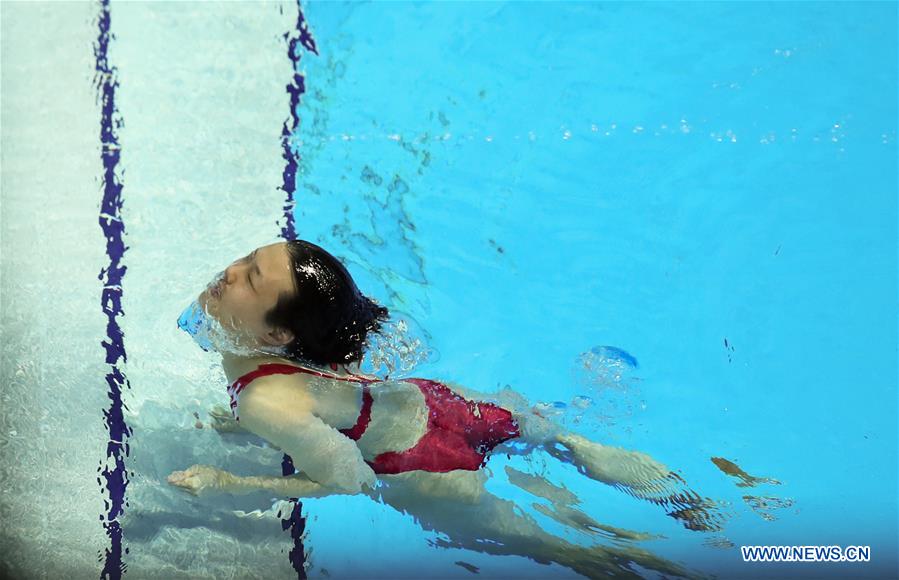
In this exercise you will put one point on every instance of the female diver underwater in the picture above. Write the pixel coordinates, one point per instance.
(290, 325)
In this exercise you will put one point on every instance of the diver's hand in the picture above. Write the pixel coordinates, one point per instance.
(201, 479)
(223, 421)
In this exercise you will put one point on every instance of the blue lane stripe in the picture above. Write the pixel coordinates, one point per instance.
(298, 38)
(116, 479)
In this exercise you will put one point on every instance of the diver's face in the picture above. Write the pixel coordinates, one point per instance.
(250, 287)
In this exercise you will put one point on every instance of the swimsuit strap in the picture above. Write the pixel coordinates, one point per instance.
(281, 369)
(364, 416)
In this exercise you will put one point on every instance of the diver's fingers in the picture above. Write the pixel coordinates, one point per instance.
(184, 481)
(220, 411)
(193, 479)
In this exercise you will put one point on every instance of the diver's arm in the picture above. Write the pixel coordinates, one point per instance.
(460, 486)
(283, 417)
(293, 486)
(203, 480)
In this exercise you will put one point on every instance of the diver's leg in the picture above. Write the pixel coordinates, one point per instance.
(562, 508)
(632, 472)
(641, 476)
(611, 465)
(457, 505)
(511, 531)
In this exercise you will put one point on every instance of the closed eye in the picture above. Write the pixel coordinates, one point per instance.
(255, 268)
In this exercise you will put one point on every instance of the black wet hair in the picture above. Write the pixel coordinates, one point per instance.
(327, 314)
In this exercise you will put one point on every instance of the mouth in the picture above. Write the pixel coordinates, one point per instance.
(215, 286)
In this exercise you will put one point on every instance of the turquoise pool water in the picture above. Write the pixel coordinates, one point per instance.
(710, 188)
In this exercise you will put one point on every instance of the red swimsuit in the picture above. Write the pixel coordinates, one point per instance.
(459, 436)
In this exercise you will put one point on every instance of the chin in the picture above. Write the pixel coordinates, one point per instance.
(209, 301)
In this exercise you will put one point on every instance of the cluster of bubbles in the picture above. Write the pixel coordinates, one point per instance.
(211, 335)
(393, 352)
(606, 375)
(399, 347)
(606, 367)
(834, 133)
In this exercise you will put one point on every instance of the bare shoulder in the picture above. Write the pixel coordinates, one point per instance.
(270, 394)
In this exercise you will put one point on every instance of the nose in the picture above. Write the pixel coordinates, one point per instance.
(231, 273)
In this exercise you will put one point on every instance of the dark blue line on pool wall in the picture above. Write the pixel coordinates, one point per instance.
(116, 477)
(297, 39)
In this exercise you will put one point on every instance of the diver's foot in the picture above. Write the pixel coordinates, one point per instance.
(637, 471)
(695, 513)
(641, 476)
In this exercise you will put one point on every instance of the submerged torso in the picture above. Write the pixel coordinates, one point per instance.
(399, 415)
